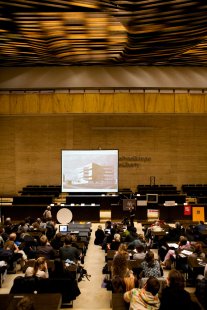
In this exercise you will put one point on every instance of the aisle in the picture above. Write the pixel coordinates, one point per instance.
(92, 295)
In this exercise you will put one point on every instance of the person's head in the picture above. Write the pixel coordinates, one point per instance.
(74, 238)
(68, 240)
(25, 303)
(119, 265)
(43, 240)
(141, 237)
(58, 236)
(149, 257)
(117, 237)
(183, 240)
(178, 225)
(123, 250)
(152, 285)
(108, 224)
(12, 237)
(49, 208)
(198, 247)
(175, 279)
(40, 264)
(100, 227)
(140, 248)
(8, 221)
(36, 225)
(202, 222)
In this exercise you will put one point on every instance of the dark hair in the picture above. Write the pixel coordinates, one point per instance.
(176, 279)
(198, 248)
(183, 241)
(149, 258)
(68, 240)
(140, 248)
(25, 303)
(152, 285)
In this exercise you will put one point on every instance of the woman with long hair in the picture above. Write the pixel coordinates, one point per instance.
(39, 270)
(123, 279)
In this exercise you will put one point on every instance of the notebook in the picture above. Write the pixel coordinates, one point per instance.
(186, 252)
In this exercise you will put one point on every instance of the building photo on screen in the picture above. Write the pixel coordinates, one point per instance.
(90, 171)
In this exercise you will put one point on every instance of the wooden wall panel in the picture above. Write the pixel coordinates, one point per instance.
(117, 103)
(77, 103)
(128, 103)
(91, 103)
(205, 103)
(159, 103)
(4, 104)
(106, 103)
(16, 104)
(46, 103)
(189, 103)
(172, 148)
(7, 156)
(196, 103)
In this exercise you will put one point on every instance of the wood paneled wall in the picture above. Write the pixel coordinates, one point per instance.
(57, 103)
(170, 146)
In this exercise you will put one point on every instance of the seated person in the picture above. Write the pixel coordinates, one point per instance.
(44, 249)
(171, 254)
(123, 279)
(132, 234)
(200, 227)
(57, 241)
(11, 246)
(174, 296)
(68, 251)
(150, 266)
(99, 236)
(197, 251)
(50, 229)
(115, 243)
(140, 252)
(39, 270)
(139, 240)
(146, 297)
(123, 249)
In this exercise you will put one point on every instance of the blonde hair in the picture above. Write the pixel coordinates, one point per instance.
(38, 264)
(117, 237)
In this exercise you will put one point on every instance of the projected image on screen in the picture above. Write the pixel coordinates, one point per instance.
(90, 171)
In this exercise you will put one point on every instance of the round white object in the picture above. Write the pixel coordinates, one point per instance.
(64, 216)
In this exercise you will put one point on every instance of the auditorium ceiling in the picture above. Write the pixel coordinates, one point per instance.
(108, 33)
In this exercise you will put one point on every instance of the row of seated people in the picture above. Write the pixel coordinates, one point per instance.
(48, 276)
(172, 296)
(137, 250)
(148, 289)
(64, 248)
(113, 235)
(23, 245)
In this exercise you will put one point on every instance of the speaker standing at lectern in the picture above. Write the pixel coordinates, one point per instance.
(131, 216)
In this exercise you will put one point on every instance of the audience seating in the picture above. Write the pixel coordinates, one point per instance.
(66, 286)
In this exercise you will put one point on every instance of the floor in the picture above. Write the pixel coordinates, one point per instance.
(92, 296)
